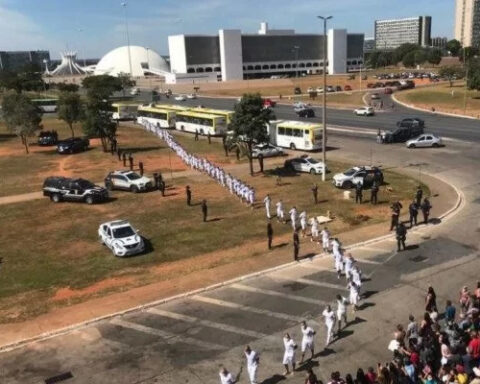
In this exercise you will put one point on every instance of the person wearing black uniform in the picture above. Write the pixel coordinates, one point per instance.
(189, 195)
(269, 234)
(130, 161)
(124, 159)
(204, 210)
(296, 245)
(401, 233)
(413, 211)
(358, 193)
(209, 138)
(161, 187)
(224, 143)
(396, 207)
(140, 166)
(119, 154)
(419, 195)
(426, 207)
(156, 184)
(196, 135)
(315, 193)
(374, 193)
(260, 162)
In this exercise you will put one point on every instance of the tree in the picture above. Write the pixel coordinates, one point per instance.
(451, 72)
(434, 56)
(125, 81)
(21, 116)
(249, 123)
(473, 81)
(97, 120)
(65, 87)
(467, 53)
(70, 109)
(413, 58)
(25, 80)
(403, 50)
(10, 81)
(385, 59)
(454, 46)
(372, 61)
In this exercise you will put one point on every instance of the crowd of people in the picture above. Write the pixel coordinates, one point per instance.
(241, 189)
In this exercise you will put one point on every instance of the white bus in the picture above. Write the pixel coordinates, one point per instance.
(220, 112)
(124, 111)
(296, 135)
(157, 116)
(46, 105)
(203, 123)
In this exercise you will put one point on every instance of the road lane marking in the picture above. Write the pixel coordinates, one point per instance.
(312, 266)
(368, 261)
(311, 282)
(278, 294)
(207, 323)
(375, 249)
(169, 338)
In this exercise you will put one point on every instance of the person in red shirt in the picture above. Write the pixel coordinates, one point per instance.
(474, 346)
(371, 375)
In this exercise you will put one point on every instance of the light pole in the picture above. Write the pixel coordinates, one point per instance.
(124, 5)
(324, 136)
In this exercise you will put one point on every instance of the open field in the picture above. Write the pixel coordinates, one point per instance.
(51, 256)
(444, 99)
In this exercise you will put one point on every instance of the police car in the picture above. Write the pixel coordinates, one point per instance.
(121, 238)
(306, 164)
(363, 175)
(64, 189)
(127, 181)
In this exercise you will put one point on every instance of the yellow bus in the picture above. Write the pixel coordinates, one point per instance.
(203, 123)
(159, 117)
(220, 112)
(171, 107)
(296, 135)
(124, 110)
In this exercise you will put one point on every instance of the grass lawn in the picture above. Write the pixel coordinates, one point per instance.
(444, 98)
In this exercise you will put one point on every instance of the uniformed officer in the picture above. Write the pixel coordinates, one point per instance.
(401, 234)
(296, 245)
(204, 210)
(269, 234)
(189, 195)
(130, 161)
(426, 207)
(413, 211)
(260, 163)
(161, 187)
(315, 193)
(224, 143)
(358, 193)
(419, 195)
(374, 193)
(395, 207)
(124, 159)
(140, 165)
(155, 181)
(196, 135)
(209, 138)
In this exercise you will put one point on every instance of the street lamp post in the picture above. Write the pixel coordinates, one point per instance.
(124, 5)
(324, 136)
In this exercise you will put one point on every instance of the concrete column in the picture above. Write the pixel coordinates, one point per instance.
(337, 51)
(231, 57)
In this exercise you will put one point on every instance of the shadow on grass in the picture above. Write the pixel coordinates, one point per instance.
(307, 365)
(368, 294)
(281, 245)
(365, 306)
(274, 379)
(139, 149)
(214, 219)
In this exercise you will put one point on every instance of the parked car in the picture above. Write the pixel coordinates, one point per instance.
(330, 89)
(64, 189)
(134, 91)
(306, 164)
(297, 91)
(370, 85)
(401, 134)
(425, 140)
(306, 112)
(347, 88)
(191, 96)
(180, 98)
(266, 150)
(299, 105)
(375, 96)
(121, 238)
(319, 90)
(127, 181)
(338, 88)
(364, 175)
(269, 103)
(388, 91)
(47, 138)
(72, 145)
(364, 111)
(310, 89)
(411, 122)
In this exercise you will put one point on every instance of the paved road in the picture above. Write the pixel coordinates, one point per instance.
(186, 340)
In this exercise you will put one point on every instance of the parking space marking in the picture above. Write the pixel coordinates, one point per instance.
(278, 294)
(169, 338)
(229, 304)
(311, 282)
(207, 323)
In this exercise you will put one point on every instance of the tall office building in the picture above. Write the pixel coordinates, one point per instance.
(467, 22)
(15, 60)
(390, 34)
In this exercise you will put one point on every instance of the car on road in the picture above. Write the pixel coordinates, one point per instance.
(180, 98)
(338, 88)
(330, 89)
(319, 90)
(134, 91)
(299, 105)
(411, 122)
(121, 238)
(375, 96)
(128, 181)
(191, 96)
(59, 189)
(425, 140)
(401, 134)
(305, 112)
(73, 145)
(347, 88)
(364, 175)
(266, 150)
(306, 164)
(269, 103)
(47, 138)
(364, 111)
(297, 91)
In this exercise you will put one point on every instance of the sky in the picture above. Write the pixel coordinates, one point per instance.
(94, 27)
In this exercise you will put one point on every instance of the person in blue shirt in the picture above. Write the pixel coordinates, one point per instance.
(450, 312)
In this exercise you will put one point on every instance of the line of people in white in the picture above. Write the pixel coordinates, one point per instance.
(245, 192)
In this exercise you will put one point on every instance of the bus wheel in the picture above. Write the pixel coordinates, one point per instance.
(293, 147)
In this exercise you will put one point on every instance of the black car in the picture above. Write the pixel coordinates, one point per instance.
(411, 122)
(72, 145)
(338, 88)
(47, 138)
(306, 112)
(402, 134)
(64, 189)
(297, 91)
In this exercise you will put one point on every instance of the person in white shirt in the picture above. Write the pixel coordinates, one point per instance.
(325, 239)
(280, 211)
(335, 246)
(314, 229)
(356, 276)
(303, 222)
(226, 377)
(329, 316)
(307, 340)
(293, 217)
(354, 294)
(349, 261)
(289, 355)
(267, 201)
(338, 256)
(342, 303)
(252, 364)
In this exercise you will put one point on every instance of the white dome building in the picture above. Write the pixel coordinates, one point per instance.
(143, 60)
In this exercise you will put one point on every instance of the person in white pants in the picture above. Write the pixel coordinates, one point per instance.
(314, 229)
(293, 217)
(337, 254)
(307, 340)
(303, 222)
(280, 211)
(252, 364)
(267, 202)
(349, 261)
(325, 239)
(342, 303)
(335, 246)
(354, 294)
(329, 316)
(226, 377)
(289, 355)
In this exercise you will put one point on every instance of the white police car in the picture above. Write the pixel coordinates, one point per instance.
(306, 164)
(121, 238)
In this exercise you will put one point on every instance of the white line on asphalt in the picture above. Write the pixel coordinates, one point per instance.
(169, 338)
(229, 304)
(206, 323)
(322, 284)
(279, 294)
(368, 261)
(375, 249)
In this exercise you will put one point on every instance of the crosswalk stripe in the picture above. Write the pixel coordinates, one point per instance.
(279, 294)
(322, 284)
(206, 323)
(229, 304)
(368, 261)
(169, 338)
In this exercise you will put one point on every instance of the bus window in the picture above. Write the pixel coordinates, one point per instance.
(306, 132)
(281, 131)
(288, 131)
(297, 133)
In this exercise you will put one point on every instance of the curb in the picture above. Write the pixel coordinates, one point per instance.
(62, 331)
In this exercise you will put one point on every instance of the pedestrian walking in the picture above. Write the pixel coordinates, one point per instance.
(329, 317)
(119, 154)
(303, 223)
(315, 193)
(342, 303)
(188, 192)
(307, 341)
(226, 377)
(358, 193)
(296, 245)
(162, 187)
(130, 161)
(338, 255)
(374, 193)
(269, 234)
(140, 166)
(224, 144)
(289, 354)
(419, 195)
(204, 210)
(114, 144)
(325, 239)
(431, 300)
(196, 135)
(413, 211)
(336, 251)
(354, 296)
(253, 361)
(426, 207)
(124, 159)
(280, 211)
(315, 230)
(260, 163)
(155, 181)
(237, 152)
(349, 263)
(267, 202)
(209, 138)
(293, 217)
(395, 214)
(401, 234)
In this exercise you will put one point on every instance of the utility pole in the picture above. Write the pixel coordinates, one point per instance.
(324, 136)
(124, 5)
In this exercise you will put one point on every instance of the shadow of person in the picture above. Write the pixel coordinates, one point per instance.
(274, 379)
